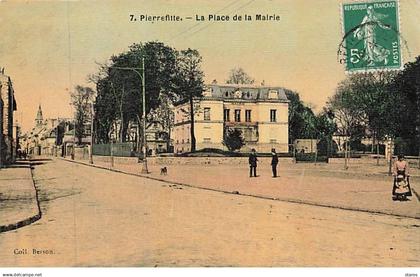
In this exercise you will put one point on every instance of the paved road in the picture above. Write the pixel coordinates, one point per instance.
(299, 183)
(93, 217)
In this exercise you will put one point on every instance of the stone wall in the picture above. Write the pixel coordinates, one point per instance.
(187, 160)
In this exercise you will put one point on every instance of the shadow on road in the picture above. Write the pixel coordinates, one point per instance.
(19, 164)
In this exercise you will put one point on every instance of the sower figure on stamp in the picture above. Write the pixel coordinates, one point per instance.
(253, 163)
(274, 162)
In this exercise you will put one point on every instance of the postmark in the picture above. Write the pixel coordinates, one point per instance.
(371, 36)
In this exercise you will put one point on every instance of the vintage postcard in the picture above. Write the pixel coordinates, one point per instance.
(236, 133)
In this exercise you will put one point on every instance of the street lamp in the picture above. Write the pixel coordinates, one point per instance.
(92, 112)
(142, 78)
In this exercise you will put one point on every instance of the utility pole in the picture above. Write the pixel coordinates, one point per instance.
(143, 107)
(144, 169)
(91, 134)
(112, 152)
(74, 140)
(56, 140)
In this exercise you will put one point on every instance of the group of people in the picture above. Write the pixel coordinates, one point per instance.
(253, 160)
(400, 191)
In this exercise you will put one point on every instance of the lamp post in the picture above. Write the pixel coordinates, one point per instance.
(142, 78)
(74, 140)
(92, 112)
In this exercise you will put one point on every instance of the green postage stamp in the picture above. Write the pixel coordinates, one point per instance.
(371, 36)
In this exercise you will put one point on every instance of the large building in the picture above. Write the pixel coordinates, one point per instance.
(8, 144)
(259, 112)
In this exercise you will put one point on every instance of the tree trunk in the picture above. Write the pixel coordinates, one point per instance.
(121, 127)
(372, 148)
(377, 152)
(193, 142)
(139, 146)
(345, 155)
(168, 142)
(390, 158)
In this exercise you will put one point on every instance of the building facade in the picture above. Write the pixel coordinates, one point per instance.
(51, 136)
(259, 112)
(8, 143)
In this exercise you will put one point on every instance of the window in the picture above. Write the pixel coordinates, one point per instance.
(248, 115)
(226, 115)
(273, 116)
(207, 114)
(237, 115)
(207, 139)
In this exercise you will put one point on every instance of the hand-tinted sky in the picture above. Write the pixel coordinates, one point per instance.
(49, 47)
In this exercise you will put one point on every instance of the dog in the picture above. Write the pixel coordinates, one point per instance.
(164, 171)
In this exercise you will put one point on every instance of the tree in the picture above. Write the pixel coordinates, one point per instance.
(325, 128)
(364, 102)
(238, 76)
(233, 140)
(124, 86)
(347, 118)
(189, 84)
(302, 119)
(81, 99)
(165, 115)
(407, 87)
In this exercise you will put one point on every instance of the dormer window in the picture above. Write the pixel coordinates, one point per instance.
(273, 94)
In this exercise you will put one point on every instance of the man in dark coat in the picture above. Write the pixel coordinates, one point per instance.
(274, 162)
(253, 163)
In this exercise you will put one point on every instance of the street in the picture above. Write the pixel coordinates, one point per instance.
(94, 217)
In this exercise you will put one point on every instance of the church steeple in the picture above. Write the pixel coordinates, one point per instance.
(39, 118)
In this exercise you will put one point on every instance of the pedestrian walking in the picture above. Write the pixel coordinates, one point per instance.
(401, 189)
(274, 162)
(253, 163)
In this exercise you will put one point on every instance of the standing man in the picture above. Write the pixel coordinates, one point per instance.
(274, 162)
(253, 163)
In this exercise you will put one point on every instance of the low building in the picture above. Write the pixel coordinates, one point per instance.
(157, 138)
(259, 112)
(305, 145)
(8, 143)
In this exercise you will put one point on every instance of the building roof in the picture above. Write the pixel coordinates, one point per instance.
(245, 92)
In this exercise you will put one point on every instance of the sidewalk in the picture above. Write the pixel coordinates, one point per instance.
(18, 201)
(298, 183)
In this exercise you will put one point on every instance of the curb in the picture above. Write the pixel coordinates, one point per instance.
(27, 221)
(287, 200)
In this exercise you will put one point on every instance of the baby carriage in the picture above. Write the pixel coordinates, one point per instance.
(401, 188)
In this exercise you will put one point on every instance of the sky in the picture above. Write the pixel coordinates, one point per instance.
(49, 47)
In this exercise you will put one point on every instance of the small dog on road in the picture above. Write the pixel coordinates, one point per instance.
(163, 171)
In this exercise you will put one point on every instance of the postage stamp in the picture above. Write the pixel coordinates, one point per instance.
(371, 36)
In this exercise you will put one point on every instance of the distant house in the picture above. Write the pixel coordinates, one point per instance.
(49, 135)
(305, 145)
(157, 138)
(259, 112)
(8, 143)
